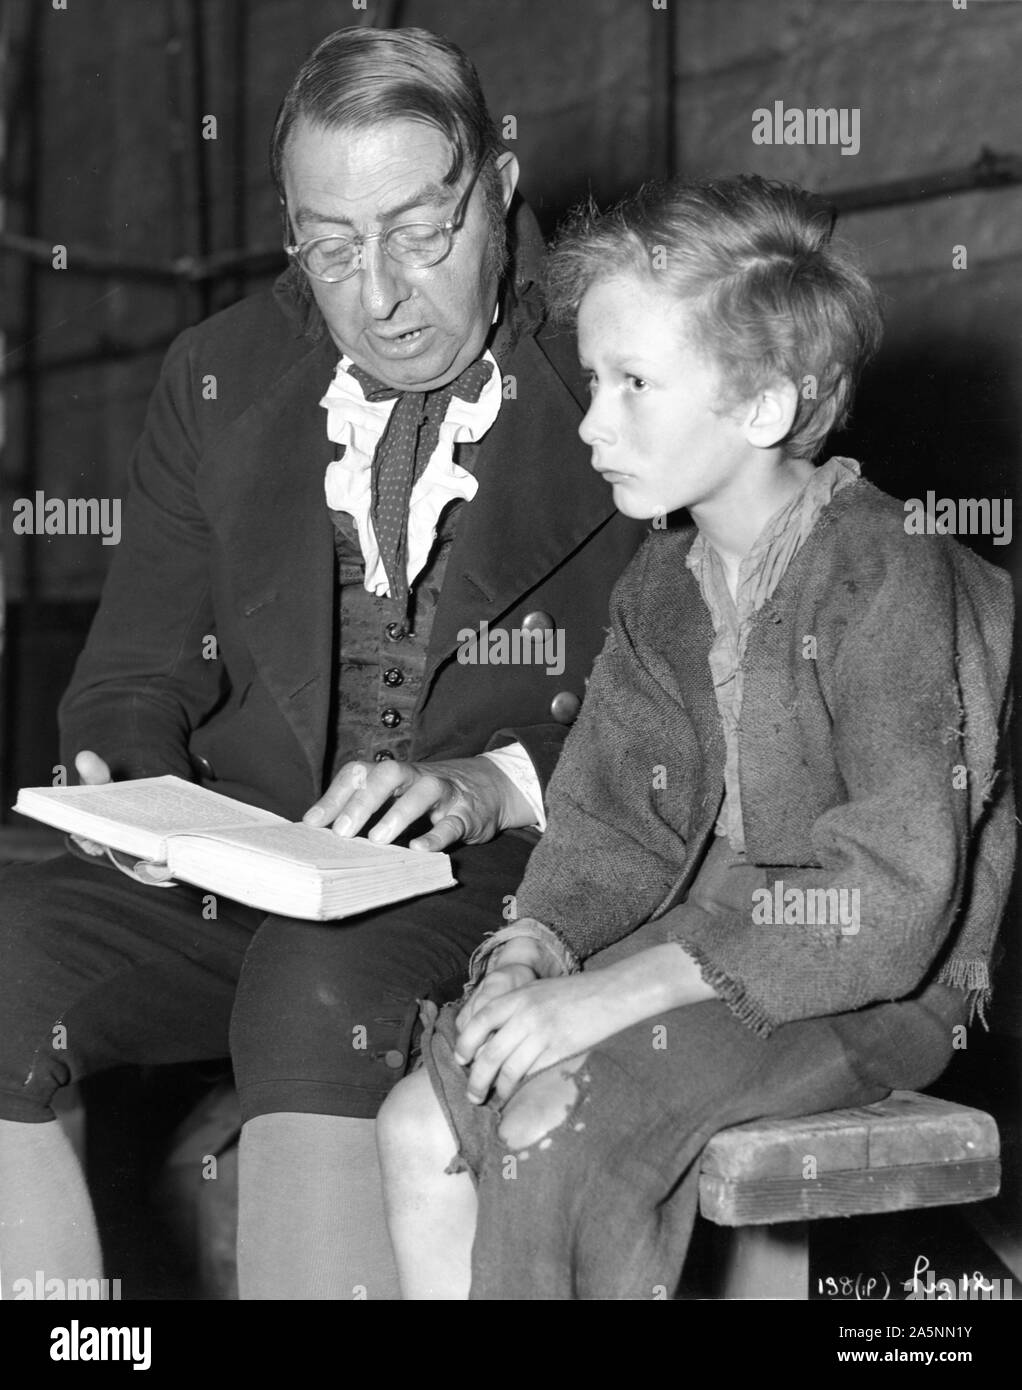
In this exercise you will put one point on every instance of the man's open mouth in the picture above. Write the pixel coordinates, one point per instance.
(409, 335)
(404, 344)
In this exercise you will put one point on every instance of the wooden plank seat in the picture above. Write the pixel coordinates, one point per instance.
(908, 1151)
(768, 1179)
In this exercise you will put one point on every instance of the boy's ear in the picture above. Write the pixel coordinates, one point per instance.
(507, 168)
(771, 414)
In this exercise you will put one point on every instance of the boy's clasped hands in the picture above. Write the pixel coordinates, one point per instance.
(526, 1015)
(516, 1023)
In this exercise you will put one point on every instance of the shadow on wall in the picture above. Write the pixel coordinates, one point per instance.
(945, 419)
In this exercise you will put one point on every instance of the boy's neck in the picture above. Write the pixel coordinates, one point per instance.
(732, 525)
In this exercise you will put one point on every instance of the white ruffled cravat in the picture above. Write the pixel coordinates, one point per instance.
(359, 424)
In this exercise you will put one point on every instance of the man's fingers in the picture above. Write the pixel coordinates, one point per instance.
(89, 846)
(451, 829)
(413, 802)
(91, 768)
(356, 793)
(359, 791)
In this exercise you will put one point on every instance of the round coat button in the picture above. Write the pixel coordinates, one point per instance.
(393, 677)
(538, 622)
(565, 707)
(391, 718)
(394, 1058)
(383, 756)
(202, 765)
(395, 631)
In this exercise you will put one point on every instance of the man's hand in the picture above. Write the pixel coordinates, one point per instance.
(93, 772)
(91, 768)
(469, 801)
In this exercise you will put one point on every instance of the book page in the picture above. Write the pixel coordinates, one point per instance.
(310, 846)
(157, 805)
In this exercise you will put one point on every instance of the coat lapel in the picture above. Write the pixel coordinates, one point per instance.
(538, 500)
(265, 498)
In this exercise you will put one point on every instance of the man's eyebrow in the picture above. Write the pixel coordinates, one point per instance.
(429, 193)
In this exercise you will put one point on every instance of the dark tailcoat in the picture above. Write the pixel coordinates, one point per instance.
(213, 652)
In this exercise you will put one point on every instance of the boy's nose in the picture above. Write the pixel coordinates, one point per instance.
(594, 427)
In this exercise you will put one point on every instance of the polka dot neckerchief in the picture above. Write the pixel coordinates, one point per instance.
(404, 450)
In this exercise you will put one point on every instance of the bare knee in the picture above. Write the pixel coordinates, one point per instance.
(411, 1128)
(539, 1106)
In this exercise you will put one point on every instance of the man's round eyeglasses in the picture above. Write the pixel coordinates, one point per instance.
(415, 244)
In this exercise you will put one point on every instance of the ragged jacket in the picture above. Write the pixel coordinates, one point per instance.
(870, 749)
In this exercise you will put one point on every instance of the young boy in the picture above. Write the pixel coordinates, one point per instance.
(781, 809)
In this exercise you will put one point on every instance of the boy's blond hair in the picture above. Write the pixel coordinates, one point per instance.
(770, 295)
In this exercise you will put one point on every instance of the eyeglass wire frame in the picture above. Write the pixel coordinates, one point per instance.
(299, 250)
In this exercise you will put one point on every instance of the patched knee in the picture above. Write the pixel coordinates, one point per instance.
(541, 1106)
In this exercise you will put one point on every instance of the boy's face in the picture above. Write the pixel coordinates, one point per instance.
(656, 426)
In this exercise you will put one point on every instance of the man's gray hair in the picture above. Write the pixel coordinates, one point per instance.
(358, 78)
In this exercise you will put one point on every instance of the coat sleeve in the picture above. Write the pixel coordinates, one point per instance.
(143, 681)
(921, 845)
(544, 744)
(595, 875)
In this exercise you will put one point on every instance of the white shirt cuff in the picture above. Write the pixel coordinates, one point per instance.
(518, 767)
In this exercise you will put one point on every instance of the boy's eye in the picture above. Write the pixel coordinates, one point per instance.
(590, 381)
(637, 383)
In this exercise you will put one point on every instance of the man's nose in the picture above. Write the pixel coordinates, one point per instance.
(383, 286)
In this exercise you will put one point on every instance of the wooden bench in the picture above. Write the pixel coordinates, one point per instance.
(767, 1180)
(909, 1151)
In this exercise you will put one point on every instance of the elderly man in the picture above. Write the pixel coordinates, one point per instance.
(336, 480)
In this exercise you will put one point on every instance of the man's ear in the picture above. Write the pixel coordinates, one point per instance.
(771, 414)
(507, 168)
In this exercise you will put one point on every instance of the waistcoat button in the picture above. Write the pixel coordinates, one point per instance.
(538, 622)
(565, 707)
(395, 632)
(391, 718)
(393, 677)
(384, 755)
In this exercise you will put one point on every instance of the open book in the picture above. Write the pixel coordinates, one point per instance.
(244, 853)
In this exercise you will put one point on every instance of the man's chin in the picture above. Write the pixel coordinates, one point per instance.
(415, 371)
(418, 364)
